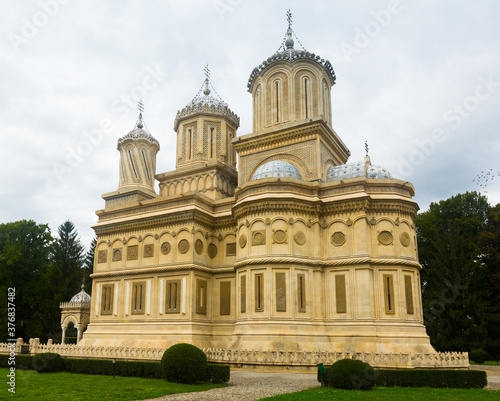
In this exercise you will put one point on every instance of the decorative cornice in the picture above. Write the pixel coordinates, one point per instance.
(163, 269)
(205, 107)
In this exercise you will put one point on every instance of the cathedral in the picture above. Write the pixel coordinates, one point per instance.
(269, 240)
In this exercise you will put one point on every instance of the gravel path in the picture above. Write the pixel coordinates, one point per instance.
(493, 373)
(251, 386)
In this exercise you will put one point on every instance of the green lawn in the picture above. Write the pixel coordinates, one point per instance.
(488, 363)
(34, 386)
(388, 394)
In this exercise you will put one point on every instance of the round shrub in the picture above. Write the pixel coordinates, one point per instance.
(351, 374)
(48, 362)
(184, 363)
(478, 356)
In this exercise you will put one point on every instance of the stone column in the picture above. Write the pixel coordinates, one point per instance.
(79, 335)
(63, 334)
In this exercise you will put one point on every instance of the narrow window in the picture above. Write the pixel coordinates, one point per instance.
(173, 297)
(225, 298)
(409, 296)
(305, 92)
(301, 292)
(389, 294)
(138, 298)
(201, 297)
(189, 145)
(280, 292)
(340, 293)
(132, 163)
(277, 102)
(145, 164)
(243, 292)
(211, 142)
(107, 300)
(259, 292)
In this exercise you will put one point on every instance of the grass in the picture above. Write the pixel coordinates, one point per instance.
(388, 394)
(34, 386)
(488, 363)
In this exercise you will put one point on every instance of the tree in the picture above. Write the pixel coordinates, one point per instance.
(24, 259)
(455, 292)
(88, 267)
(64, 276)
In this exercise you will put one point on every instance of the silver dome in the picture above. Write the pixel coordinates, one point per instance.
(276, 169)
(356, 169)
(81, 297)
(377, 172)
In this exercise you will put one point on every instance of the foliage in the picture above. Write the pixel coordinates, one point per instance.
(184, 363)
(48, 362)
(478, 356)
(218, 373)
(33, 386)
(388, 394)
(144, 369)
(88, 266)
(24, 259)
(350, 374)
(455, 292)
(436, 378)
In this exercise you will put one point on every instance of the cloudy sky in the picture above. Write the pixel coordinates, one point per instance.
(420, 80)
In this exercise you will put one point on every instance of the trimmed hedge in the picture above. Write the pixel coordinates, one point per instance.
(23, 362)
(218, 373)
(48, 362)
(184, 363)
(149, 370)
(436, 378)
(478, 356)
(350, 374)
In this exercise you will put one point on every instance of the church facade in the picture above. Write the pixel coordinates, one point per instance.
(294, 250)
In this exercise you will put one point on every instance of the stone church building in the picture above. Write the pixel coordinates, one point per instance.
(269, 240)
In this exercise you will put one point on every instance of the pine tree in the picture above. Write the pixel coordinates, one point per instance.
(88, 267)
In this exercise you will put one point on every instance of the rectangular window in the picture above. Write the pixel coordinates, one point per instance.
(243, 292)
(189, 144)
(259, 292)
(280, 292)
(225, 298)
(173, 296)
(107, 299)
(201, 297)
(409, 296)
(138, 295)
(211, 143)
(301, 292)
(340, 293)
(231, 249)
(389, 294)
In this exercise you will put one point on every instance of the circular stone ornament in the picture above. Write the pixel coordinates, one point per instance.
(183, 246)
(117, 254)
(243, 240)
(198, 246)
(299, 238)
(258, 238)
(338, 238)
(405, 239)
(385, 238)
(165, 248)
(279, 236)
(212, 251)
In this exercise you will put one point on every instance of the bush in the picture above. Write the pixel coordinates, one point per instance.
(184, 363)
(150, 370)
(436, 378)
(478, 356)
(350, 374)
(217, 373)
(48, 362)
(23, 362)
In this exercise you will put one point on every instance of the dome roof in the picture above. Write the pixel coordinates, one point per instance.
(139, 132)
(276, 169)
(81, 297)
(357, 169)
(205, 103)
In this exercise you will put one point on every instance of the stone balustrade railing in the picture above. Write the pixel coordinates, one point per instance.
(254, 357)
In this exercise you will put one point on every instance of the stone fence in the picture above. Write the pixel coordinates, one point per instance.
(254, 357)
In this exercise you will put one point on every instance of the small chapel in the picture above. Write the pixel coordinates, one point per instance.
(269, 240)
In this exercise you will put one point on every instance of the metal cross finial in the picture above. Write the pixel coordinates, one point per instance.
(366, 147)
(140, 106)
(289, 17)
(207, 72)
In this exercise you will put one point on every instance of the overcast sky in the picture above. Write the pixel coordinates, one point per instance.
(420, 80)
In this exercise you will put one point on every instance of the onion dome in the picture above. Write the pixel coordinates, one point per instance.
(277, 169)
(81, 297)
(357, 169)
(140, 130)
(287, 53)
(204, 103)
